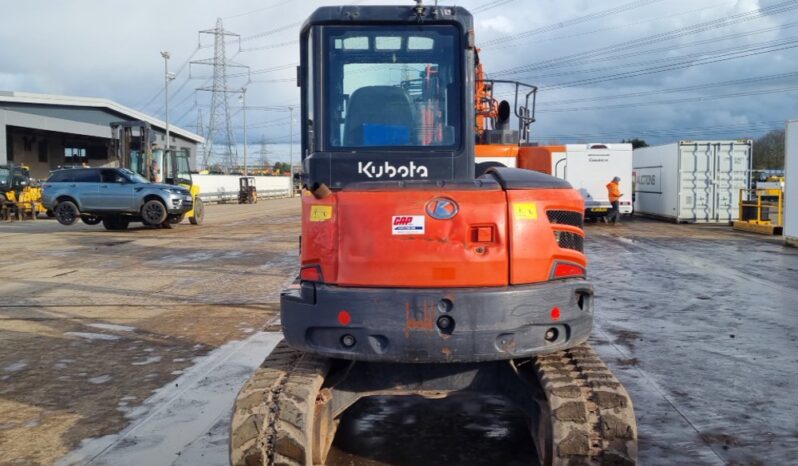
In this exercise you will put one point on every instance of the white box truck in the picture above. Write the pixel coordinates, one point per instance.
(588, 167)
(791, 184)
(692, 181)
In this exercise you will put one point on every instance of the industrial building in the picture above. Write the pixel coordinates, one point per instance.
(45, 132)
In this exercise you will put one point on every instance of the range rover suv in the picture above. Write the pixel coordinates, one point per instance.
(113, 196)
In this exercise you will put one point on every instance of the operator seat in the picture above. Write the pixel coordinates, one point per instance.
(379, 116)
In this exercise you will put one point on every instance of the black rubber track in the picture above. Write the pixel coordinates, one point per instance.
(592, 420)
(273, 414)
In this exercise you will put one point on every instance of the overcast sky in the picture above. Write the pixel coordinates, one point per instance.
(585, 55)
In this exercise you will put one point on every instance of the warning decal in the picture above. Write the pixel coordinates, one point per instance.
(407, 225)
(525, 210)
(320, 213)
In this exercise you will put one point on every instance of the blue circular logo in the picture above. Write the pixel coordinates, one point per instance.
(442, 208)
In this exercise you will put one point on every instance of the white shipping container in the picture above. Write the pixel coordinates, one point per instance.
(791, 184)
(590, 167)
(692, 181)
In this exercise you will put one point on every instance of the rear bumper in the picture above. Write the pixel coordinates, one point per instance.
(403, 325)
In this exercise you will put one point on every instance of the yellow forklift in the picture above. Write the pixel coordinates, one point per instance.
(19, 193)
(247, 192)
(132, 142)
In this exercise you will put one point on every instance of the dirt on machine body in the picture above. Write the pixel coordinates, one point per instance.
(420, 275)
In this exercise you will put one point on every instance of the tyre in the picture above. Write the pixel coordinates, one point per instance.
(3, 198)
(67, 213)
(153, 212)
(175, 219)
(116, 223)
(199, 212)
(91, 219)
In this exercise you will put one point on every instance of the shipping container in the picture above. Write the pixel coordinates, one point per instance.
(791, 184)
(692, 181)
(588, 167)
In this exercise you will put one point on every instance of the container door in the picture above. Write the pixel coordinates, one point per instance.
(731, 175)
(696, 191)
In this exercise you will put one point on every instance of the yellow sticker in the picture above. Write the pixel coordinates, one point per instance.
(320, 213)
(525, 210)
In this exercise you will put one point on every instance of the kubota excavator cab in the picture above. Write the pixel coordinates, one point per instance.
(416, 277)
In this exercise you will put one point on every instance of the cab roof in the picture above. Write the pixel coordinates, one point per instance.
(349, 14)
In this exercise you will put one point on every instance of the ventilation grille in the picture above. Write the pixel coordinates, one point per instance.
(565, 217)
(568, 240)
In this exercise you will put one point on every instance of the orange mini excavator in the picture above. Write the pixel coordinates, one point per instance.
(419, 276)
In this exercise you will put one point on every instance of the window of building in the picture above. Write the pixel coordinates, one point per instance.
(43, 149)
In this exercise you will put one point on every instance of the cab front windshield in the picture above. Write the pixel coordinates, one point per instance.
(5, 176)
(392, 87)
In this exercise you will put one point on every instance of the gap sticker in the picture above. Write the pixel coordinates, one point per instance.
(407, 225)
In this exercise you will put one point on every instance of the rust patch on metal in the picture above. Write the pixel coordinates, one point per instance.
(419, 319)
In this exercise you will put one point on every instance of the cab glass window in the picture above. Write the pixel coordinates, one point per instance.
(393, 88)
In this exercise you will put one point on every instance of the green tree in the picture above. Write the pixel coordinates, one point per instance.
(282, 167)
(636, 143)
(769, 151)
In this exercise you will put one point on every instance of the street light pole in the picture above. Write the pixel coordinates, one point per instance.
(291, 147)
(166, 78)
(244, 107)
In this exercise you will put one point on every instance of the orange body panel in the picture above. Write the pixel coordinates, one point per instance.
(350, 236)
(448, 254)
(496, 150)
(538, 158)
(533, 246)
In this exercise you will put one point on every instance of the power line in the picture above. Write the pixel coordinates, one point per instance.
(571, 22)
(785, 45)
(488, 6)
(670, 48)
(177, 73)
(672, 101)
(696, 87)
(681, 133)
(614, 28)
(655, 38)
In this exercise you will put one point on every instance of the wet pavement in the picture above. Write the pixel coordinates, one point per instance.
(409, 431)
(699, 324)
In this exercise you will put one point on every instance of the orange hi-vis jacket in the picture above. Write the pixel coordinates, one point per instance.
(614, 191)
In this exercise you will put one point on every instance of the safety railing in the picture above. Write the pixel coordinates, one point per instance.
(223, 196)
(762, 206)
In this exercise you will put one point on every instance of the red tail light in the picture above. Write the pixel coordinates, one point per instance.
(310, 273)
(566, 270)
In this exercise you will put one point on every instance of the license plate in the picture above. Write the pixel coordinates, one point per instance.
(599, 209)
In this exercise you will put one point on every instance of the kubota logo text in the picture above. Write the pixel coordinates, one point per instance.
(388, 170)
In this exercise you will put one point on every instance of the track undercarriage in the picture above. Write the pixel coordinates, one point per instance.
(578, 412)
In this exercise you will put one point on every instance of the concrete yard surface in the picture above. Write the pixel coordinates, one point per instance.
(101, 331)
(128, 348)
